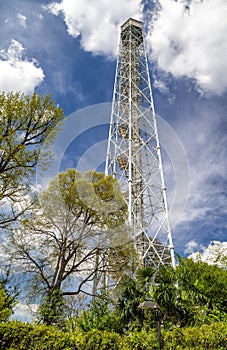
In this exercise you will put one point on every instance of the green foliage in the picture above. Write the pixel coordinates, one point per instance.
(128, 304)
(106, 313)
(25, 123)
(17, 335)
(51, 311)
(119, 312)
(72, 233)
(10, 287)
(6, 305)
(164, 291)
(97, 195)
(205, 286)
(140, 340)
(194, 293)
(100, 340)
(132, 294)
(99, 316)
(211, 337)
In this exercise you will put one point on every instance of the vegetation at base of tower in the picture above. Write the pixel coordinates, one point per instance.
(66, 240)
(26, 122)
(193, 294)
(199, 295)
(118, 312)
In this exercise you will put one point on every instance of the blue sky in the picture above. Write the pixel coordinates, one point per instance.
(68, 48)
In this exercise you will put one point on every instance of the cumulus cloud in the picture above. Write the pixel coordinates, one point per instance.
(191, 247)
(189, 39)
(17, 73)
(96, 22)
(214, 254)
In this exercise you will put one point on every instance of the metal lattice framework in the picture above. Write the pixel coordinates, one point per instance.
(133, 153)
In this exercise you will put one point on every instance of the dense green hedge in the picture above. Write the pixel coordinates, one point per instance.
(213, 336)
(19, 336)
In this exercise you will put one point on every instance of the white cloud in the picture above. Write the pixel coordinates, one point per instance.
(25, 312)
(161, 86)
(22, 19)
(17, 73)
(98, 22)
(190, 40)
(202, 130)
(214, 254)
(191, 247)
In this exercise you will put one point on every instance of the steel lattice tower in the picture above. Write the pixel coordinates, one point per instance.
(133, 152)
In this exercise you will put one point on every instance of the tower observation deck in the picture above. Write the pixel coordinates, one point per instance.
(133, 151)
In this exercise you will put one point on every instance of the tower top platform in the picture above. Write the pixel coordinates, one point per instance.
(131, 22)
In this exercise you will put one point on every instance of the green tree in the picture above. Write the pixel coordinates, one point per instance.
(205, 286)
(25, 123)
(100, 314)
(6, 305)
(194, 293)
(10, 285)
(119, 311)
(134, 291)
(66, 241)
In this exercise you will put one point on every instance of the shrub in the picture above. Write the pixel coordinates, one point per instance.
(16, 335)
(212, 336)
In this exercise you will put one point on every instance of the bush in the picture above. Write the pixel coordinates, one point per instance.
(16, 335)
(100, 340)
(140, 340)
(212, 336)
